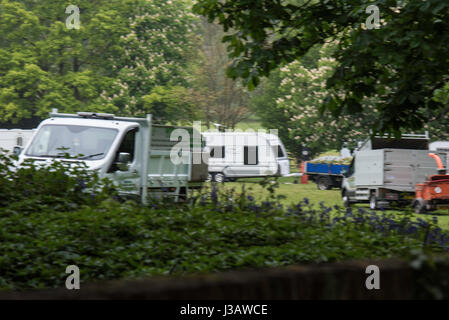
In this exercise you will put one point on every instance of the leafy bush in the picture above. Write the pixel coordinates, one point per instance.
(60, 185)
(216, 230)
(60, 214)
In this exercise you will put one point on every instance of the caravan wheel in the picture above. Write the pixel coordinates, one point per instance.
(219, 177)
(209, 177)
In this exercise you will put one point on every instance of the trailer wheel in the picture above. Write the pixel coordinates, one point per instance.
(209, 177)
(219, 177)
(419, 206)
(345, 198)
(323, 183)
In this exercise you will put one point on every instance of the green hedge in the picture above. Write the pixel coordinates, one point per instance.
(41, 234)
(116, 240)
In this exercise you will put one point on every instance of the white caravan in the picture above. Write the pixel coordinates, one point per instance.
(13, 139)
(245, 154)
(133, 152)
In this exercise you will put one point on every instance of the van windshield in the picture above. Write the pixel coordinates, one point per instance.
(81, 142)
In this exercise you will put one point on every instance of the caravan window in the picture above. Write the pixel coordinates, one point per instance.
(277, 150)
(251, 155)
(217, 152)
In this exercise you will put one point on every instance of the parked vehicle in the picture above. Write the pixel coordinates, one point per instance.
(441, 146)
(14, 139)
(326, 175)
(387, 170)
(245, 154)
(134, 153)
(434, 193)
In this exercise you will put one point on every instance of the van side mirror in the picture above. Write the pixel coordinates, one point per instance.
(123, 159)
(17, 150)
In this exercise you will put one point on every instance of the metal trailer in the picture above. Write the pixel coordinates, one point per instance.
(385, 170)
(326, 175)
(136, 154)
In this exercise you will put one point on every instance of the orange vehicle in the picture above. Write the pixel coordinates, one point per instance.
(434, 193)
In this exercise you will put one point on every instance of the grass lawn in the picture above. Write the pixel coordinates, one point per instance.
(296, 192)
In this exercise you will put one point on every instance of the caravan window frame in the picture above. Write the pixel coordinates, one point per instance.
(246, 155)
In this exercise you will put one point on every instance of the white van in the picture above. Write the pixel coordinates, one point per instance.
(14, 138)
(134, 153)
(245, 154)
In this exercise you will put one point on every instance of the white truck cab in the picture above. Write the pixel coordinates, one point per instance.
(133, 152)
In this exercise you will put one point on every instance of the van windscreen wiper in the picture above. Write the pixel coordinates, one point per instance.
(91, 156)
(49, 156)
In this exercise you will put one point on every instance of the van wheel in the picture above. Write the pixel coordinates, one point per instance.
(182, 195)
(323, 183)
(373, 204)
(420, 206)
(345, 198)
(219, 177)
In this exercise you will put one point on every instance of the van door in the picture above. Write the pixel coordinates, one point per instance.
(127, 179)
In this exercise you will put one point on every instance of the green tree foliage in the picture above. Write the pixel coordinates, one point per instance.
(154, 52)
(45, 65)
(404, 61)
(293, 99)
(221, 99)
(171, 103)
(122, 50)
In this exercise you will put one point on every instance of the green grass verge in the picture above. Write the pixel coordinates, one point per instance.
(294, 192)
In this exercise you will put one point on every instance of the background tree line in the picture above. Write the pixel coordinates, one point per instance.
(129, 57)
(321, 78)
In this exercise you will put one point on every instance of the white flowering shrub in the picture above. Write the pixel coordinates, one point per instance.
(154, 53)
(302, 94)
